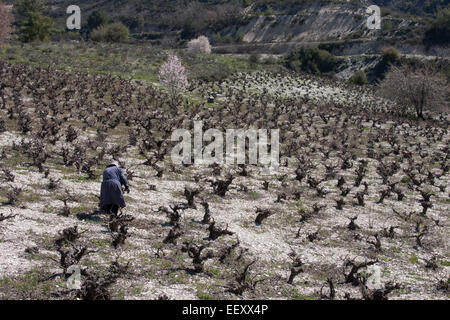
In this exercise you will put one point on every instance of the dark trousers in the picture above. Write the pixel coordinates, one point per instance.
(111, 208)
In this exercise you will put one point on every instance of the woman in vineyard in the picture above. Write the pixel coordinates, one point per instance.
(111, 193)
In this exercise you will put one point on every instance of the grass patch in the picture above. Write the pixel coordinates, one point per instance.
(80, 178)
(125, 60)
(299, 296)
(214, 271)
(30, 285)
(204, 295)
(101, 243)
(414, 259)
(82, 208)
(253, 195)
(29, 197)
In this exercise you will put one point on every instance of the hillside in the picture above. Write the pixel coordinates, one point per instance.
(152, 8)
(259, 20)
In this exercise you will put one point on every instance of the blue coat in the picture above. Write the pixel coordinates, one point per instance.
(111, 190)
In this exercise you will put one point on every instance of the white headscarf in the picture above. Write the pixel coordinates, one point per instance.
(114, 163)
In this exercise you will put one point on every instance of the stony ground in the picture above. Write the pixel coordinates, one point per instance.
(323, 241)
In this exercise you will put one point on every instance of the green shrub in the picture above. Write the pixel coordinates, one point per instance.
(239, 37)
(115, 32)
(359, 78)
(390, 55)
(313, 61)
(34, 25)
(387, 26)
(96, 19)
(254, 58)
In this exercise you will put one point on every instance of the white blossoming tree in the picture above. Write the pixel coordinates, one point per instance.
(199, 45)
(173, 77)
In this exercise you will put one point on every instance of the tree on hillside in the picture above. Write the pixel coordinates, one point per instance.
(313, 61)
(199, 45)
(96, 19)
(34, 25)
(6, 19)
(114, 32)
(173, 76)
(390, 56)
(359, 78)
(418, 89)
